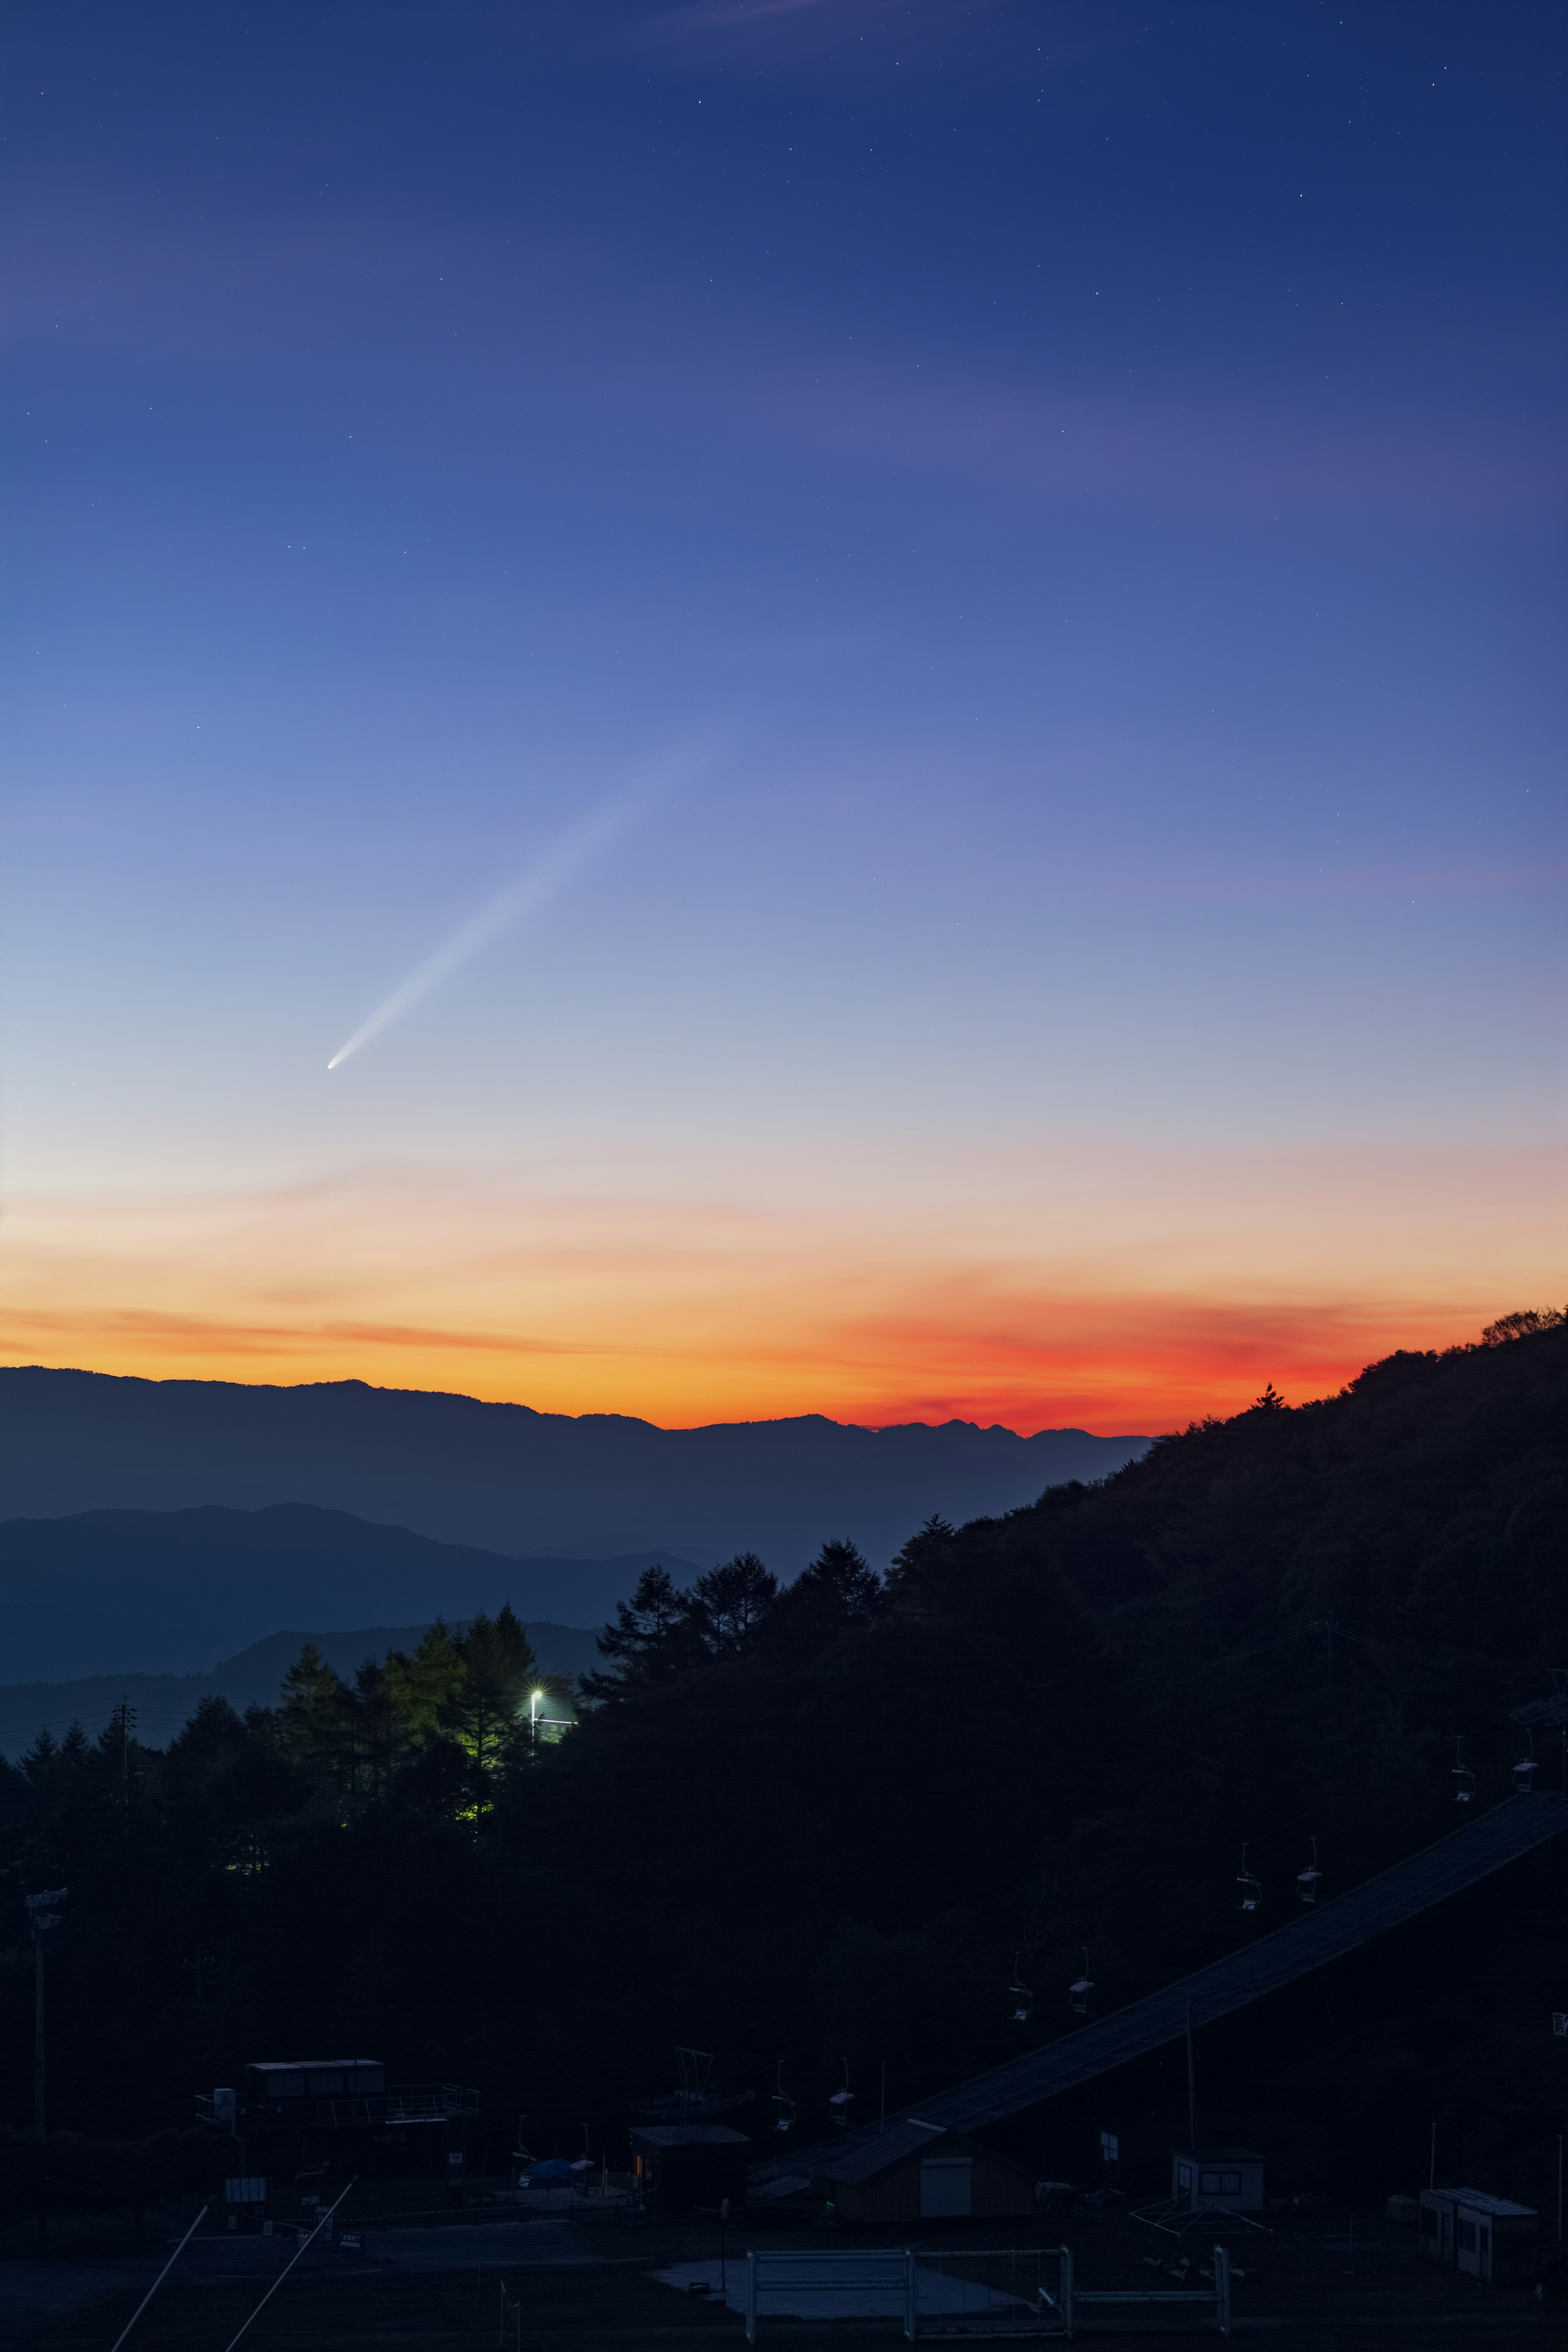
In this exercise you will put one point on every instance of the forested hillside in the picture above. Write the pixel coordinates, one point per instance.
(828, 1822)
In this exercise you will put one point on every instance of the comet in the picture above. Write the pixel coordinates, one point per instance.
(581, 846)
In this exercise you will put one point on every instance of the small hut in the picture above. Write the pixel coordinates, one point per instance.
(914, 2172)
(1217, 2180)
(1486, 2236)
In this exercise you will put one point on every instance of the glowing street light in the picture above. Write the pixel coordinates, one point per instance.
(533, 1717)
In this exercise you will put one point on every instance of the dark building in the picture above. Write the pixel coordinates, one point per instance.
(917, 2172)
(293, 2112)
(686, 2168)
(284, 2086)
(1484, 2236)
(334, 2094)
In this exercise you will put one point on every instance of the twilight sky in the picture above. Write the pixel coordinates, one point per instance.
(932, 633)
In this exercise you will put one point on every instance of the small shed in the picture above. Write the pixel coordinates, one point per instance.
(686, 2167)
(1217, 2180)
(913, 2171)
(1486, 2236)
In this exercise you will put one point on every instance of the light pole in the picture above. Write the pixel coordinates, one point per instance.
(43, 1920)
(534, 1718)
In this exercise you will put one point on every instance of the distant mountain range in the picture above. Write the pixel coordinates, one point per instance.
(118, 1593)
(162, 1703)
(509, 1479)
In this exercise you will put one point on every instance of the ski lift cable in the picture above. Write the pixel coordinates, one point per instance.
(287, 2267)
(163, 2274)
(1416, 1657)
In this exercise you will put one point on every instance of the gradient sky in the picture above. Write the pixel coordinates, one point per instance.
(1028, 535)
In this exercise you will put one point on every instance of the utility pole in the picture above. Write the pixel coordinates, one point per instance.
(1329, 1627)
(1192, 2089)
(41, 2129)
(43, 1920)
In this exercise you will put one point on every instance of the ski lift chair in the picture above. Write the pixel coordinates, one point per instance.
(1524, 1770)
(1307, 1880)
(1251, 1885)
(1079, 1989)
(842, 2101)
(1463, 1778)
(1023, 1997)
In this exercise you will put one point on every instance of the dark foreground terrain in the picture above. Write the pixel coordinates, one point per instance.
(825, 1831)
(1318, 2276)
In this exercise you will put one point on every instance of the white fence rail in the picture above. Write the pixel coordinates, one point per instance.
(1032, 2291)
(830, 2284)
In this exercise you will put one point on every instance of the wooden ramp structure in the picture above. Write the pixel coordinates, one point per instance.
(1328, 1932)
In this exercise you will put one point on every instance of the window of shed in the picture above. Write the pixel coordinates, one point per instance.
(1219, 2184)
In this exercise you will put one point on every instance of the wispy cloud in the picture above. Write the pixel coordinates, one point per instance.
(334, 303)
(213, 1336)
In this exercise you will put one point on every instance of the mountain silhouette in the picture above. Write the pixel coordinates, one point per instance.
(510, 1480)
(168, 1591)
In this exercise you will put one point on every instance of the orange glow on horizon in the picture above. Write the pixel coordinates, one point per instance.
(1123, 1367)
(1108, 1291)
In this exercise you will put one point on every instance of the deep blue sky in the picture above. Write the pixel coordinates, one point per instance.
(1069, 501)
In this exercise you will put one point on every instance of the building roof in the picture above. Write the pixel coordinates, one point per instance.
(1326, 1933)
(905, 2142)
(889, 2145)
(1480, 2202)
(305, 2065)
(687, 2136)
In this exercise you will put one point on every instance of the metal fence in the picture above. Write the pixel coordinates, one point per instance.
(990, 2291)
(1032, 2291)
(995, 2291)
(421, 2103)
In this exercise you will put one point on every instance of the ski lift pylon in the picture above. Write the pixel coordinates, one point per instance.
(783, 2102)
(1023, 1997)
(1464, 1779)
(1307, 1880)
(1079, 1989)
(1251, 1885)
